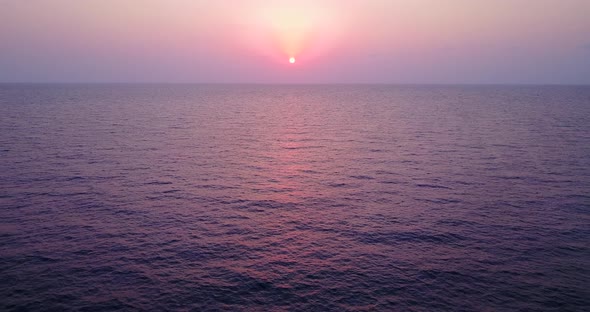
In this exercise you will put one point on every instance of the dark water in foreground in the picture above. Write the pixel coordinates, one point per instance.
(310, 198)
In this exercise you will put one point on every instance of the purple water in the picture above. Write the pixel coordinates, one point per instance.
(298, 198)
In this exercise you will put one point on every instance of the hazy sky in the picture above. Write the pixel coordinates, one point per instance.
(347, 41)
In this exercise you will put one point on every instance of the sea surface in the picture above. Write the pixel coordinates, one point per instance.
(294, 198)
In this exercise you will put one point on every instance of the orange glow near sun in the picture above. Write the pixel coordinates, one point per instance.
(287, 29)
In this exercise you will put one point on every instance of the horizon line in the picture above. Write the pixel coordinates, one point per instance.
(293, 83)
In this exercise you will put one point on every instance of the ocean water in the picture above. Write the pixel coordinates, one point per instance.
(294, 198)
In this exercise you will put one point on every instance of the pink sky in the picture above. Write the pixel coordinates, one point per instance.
(364, 41)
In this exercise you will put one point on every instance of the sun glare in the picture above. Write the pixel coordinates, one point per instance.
(285, 30)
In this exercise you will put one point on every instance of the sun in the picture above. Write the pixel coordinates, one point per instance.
(292, 60)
